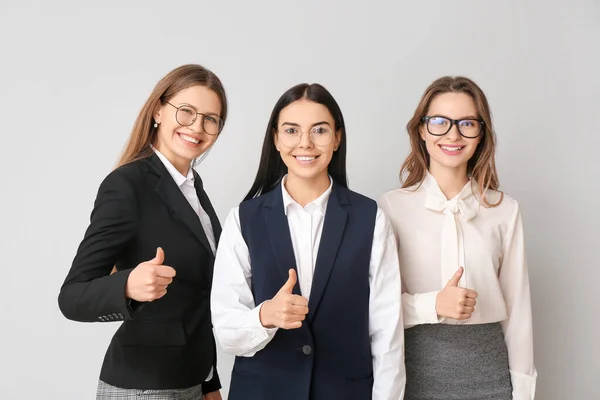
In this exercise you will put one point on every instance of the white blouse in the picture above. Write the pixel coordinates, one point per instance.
(436, 236)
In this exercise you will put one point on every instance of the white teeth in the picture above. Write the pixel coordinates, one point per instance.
(451, 148)
(305, 158)
(189, 139)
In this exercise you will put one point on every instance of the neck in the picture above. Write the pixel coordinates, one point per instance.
(451, 180)
(181, 164)
(303, 191)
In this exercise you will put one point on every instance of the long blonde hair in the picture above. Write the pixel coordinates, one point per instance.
(482, 166)
(143, 133)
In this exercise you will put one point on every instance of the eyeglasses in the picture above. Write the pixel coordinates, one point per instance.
(439, 126)
(290, 136)
(186, 115)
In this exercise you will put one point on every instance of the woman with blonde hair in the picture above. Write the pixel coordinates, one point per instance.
(465, 286)
(153, 221)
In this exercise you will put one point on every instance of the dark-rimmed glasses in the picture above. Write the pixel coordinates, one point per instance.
(439, 126)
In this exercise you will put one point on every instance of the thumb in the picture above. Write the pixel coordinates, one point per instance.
(291, 282)
(456, 278)
(160, 257)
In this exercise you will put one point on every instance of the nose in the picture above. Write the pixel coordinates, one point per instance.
(305, 140)
(197, 126)
(453, 134)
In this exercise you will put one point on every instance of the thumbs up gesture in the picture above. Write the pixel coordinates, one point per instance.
(456, 302)
(149, 280)
(285, 310)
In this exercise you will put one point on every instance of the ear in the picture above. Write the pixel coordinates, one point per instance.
(422, 132)
(275, 139)
(338, 140)
(156, 114)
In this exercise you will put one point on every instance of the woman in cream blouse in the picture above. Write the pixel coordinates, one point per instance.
(465, 286)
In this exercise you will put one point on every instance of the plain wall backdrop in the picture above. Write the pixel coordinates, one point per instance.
(75, 74)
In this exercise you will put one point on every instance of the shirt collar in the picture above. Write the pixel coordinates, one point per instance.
(463, 202)
(177, 176)
(320, 203)
(431, 186)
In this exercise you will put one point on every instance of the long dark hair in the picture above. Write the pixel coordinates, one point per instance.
(271, 168)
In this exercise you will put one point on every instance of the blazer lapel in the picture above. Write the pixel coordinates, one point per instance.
(207, 206)
(167, 189)
(279, 234)
(331, 238)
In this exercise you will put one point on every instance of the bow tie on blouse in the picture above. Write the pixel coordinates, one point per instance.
(453, 249)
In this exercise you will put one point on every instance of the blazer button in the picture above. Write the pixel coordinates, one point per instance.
(306, 349)
(101, 318)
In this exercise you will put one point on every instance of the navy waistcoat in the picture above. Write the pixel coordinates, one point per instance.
(329, 357)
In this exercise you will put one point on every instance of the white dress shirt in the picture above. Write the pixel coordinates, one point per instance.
(236, 317)
(436, 236)
(186, 185)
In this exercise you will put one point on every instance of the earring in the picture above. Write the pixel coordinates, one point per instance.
(156, 125)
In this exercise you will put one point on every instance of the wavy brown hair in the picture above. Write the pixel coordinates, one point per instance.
(481, 167)
(143, 133)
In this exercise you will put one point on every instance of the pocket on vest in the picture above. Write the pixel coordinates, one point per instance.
(360, 388)
(245, 386)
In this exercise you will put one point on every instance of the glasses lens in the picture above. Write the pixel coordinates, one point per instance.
(185, 116)
(289, 136)
(212, 124)
(469, 127)
(321, 135)
(438, 125)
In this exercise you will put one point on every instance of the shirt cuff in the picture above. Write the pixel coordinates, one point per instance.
(256, 336)
(255, 321)
(425, 308)
(523, 385)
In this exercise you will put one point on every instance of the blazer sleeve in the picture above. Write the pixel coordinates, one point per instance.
(214, 383)
(90, 293)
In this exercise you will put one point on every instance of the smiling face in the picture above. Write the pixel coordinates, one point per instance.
(306, 139)
(181, 144)
(452, 150)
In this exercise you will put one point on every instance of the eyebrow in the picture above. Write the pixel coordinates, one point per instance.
(312, 126)
(196, 108)
(461, 118)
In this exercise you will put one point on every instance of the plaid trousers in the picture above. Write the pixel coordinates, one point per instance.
(109, 392)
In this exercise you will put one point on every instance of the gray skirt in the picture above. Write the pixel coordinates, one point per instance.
(106, 392)
(447, 362)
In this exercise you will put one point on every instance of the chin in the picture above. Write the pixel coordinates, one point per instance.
(305, 174)
(451, 164)
(190, 155)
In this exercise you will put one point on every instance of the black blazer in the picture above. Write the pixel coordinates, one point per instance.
(167, 343)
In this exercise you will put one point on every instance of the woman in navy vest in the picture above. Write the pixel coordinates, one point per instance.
(306, 289)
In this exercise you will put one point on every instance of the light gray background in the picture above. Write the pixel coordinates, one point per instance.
(74, 76)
